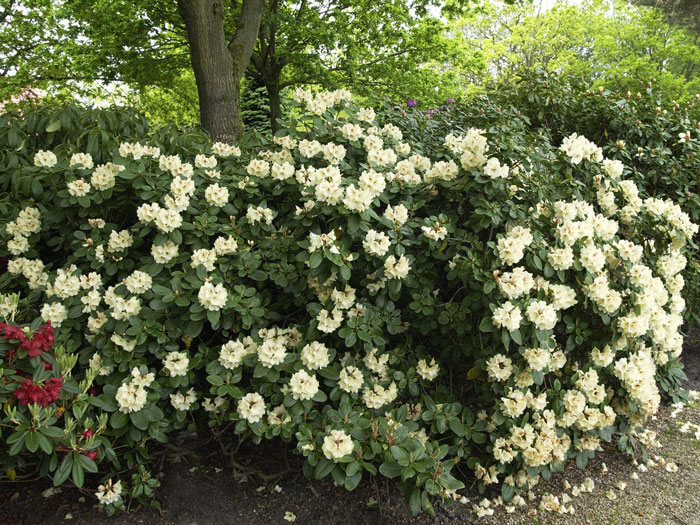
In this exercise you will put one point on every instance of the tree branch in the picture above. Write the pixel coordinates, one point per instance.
(300, 11)
(241, 46)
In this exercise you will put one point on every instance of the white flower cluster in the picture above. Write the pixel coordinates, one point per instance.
(98, 365)
(318, 103)
(137, 151)
(8, 306)
(138, 282)
(315, 355)
(204, 161)
(304, 385)
(251, 407)
(204, 257)
(132, 396)
(578, 147)
(257, 214)
(81, 159)
(323, 241)
(428, 371)
(337, 444)
(109, 493)
(45, 159)
(119, 241)
(66, 284)
(28, 222)
(54, 313)
(511, 248)
(442, 170)
(329, 322)
(637, 284)
(275, 344)
(376, 243)
(378, 396)
(397, 214)
(637, 374)
(232, 353)
(176, 363)
(216, 195)
(78, 187)
(225, 150)
(435, 232)
(120, 307)
(165, 252)
(471, 148)
(351, 379)
(396, 268)
(104, 176)
(181, 401)
(495, 170)
(212, 297)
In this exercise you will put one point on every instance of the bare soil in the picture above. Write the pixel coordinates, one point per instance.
(198, 487)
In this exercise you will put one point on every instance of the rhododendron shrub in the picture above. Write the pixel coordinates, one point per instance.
(653, 141)
(491, 305)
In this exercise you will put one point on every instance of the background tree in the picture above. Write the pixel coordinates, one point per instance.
(388, 47)
(384, 47)
(175, 103)
(29, 51)
(141, 43)
(685, 14)
(396, 48)
(255, 108)
(610, 43)
(219, 62)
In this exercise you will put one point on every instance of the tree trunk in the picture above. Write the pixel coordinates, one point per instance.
(273, 94)
(218, 68)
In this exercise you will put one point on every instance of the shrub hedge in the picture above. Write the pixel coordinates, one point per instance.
(396, 295)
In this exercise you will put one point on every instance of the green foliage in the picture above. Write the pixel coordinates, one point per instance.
(28, 49)
(685, 13)
(171, 103)
(611, 44)
(255, 107)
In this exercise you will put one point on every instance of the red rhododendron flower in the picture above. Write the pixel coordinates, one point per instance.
(13, 333)
(30, 392)
(92, 454)
(41, 341)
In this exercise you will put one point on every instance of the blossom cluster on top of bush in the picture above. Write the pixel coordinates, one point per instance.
(656, 139)
(498, 306)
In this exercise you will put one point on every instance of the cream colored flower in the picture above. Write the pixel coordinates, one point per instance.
(337, 445)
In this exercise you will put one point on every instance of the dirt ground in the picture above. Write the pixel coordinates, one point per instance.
(199, 488)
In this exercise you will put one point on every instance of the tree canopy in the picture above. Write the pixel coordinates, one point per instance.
(391, 47)
(611, 43)
(402, 49)
(685, 13)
